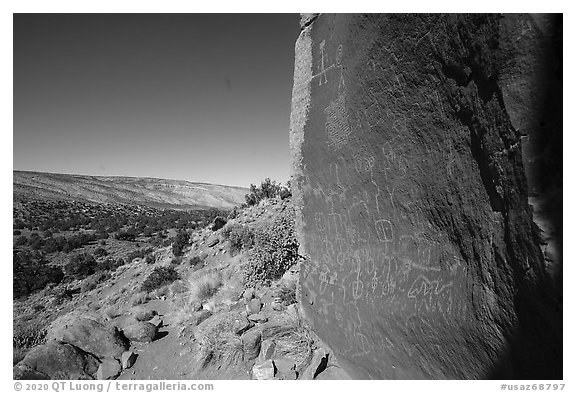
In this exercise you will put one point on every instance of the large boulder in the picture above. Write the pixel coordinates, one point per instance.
(108, 369)
(140, 331)
(412, 200)
(89, 335)
(55, 360)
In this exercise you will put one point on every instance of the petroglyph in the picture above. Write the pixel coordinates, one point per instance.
(337, 125)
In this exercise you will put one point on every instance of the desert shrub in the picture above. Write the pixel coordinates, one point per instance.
(150, 259)
(28, 333)
(80, 266)
(218, 223)
(195, 260)
(160, 277)
(139, 254)
(91, 282)
(275, 250)
(204, 287)
(139, 298)
(267, 189)
(240, 236)
(287, 294)
(100, 252)
(20, 241)
(180, 242)
(126, 236)
(31, 272)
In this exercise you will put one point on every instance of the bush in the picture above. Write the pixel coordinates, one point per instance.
(275, 250)
(218, 223)
(31, 273)
(160, 277)
(128, 236)
(180, 242)
(240, 237)
(204, 287)
(80, 266)
(195, 260)
(21, 240)
(268, 189)
(150, 259)
(100, 252)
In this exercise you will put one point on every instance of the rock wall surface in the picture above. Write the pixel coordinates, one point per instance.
(423, 260)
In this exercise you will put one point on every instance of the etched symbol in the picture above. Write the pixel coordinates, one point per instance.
(337, 126)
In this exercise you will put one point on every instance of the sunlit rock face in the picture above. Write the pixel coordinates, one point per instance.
(423, 259)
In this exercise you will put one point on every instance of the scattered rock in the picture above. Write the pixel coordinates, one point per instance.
(56, 360)
(267, 349)
(128, 359)
(251, 341)
(253, 306)
(140, 331)
(157, 321)
(201, 316)
(213, 242)
(317, 365)
(109, 369)
(264, 371)
(89, 335)
(286, 368)
(241, 325)
(259, 318)
(248, 294)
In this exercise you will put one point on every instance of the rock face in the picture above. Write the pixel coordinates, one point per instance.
(423, 260)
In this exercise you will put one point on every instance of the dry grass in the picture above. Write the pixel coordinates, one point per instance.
(223, 349)
(204, 287)
(139, 298)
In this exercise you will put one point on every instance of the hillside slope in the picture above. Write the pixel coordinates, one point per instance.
(157, 193)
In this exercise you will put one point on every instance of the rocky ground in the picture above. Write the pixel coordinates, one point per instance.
(208, 324)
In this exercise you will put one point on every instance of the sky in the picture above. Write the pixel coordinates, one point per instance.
(197, 97)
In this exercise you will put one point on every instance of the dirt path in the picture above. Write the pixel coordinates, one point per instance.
(165, 358)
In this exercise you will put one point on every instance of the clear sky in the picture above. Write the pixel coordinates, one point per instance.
(198, 97)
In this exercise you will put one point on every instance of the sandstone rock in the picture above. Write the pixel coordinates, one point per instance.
(253, 306)
(248, 294)
(140, 331)
(241, 325)
(56, 360)
(23, 372)
(267, 349)
(109, 369)
(286, 368)
(218, 324)
(89, 335)
(201, 316)
(213, 242)
(259, 318)
(157, 321)
(404, 157)
(128, 359)
(332, 373)
(251, 341)
(264, 370)
(318, 364)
